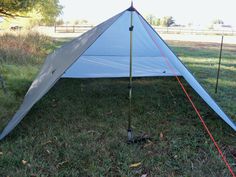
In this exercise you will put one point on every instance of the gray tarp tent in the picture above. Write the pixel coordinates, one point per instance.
(104, 52)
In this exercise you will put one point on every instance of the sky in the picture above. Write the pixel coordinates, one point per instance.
(198, 12)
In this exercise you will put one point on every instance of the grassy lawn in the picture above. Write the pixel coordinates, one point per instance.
(79, 127)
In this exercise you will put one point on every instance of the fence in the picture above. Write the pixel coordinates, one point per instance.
(72, 29)
(165, 30)
(182, 30)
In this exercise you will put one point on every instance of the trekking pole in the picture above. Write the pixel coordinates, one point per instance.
(130, 134)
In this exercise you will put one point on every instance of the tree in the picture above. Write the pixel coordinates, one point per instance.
(10, 8)
(164, 21)
(59, 22)
(84, 21)
(158, 22)
(167, 21)
(150, 18)
(77, 22)
(48, 9)
(218, 21)
(153, 20)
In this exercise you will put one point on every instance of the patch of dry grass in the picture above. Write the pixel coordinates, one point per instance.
(24, 48)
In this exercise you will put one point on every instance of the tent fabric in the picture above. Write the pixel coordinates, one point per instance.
(182, 69)
(116, 66)
(109, 55)
(104, 52)
(116, 40)
(53, 67)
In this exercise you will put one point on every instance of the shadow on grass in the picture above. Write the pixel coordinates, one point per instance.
(84, 122)
(79, 128)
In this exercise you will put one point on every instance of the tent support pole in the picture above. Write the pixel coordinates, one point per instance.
(218, 72)
(130, 134)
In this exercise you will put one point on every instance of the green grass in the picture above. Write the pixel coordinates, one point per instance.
(79, 127)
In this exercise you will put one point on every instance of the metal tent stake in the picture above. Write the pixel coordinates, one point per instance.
(218, 72)
(130, 134)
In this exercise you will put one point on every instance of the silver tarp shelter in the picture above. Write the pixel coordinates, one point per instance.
(103, 52)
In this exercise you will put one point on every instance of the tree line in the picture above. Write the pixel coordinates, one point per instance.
(164, 21)
(45, 12)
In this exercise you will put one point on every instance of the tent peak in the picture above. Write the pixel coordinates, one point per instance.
(131, 8)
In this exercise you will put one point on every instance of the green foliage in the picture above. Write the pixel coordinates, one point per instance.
(167, 21)
(60, 22)
(150, 19)
(48, 9)
(164, 21)
(16, 8)
(153, 20)
(158, 22)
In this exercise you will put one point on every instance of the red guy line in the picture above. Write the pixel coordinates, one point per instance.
(190, 100)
